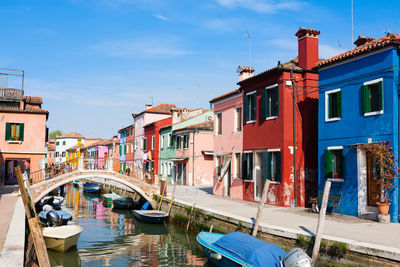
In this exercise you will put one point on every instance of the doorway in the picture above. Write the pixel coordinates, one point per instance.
(181, 173)
(11, 178)
(373, 174)
(259, 183)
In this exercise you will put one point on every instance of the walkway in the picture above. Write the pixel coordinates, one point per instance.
(362, 236)
(8, 199)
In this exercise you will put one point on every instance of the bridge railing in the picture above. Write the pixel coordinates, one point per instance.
(129, 168)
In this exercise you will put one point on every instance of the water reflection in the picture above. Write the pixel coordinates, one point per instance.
(116, 238)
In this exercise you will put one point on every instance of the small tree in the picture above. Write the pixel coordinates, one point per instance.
(54, 134)
(388, 170)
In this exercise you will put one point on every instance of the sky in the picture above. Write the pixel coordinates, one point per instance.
(95, 62)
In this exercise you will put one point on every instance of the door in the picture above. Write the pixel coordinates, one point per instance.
(179, 174)
(373, 174)
(258, 186)
(184, 174)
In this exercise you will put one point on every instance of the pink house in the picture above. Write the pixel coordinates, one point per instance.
(194, 156)
(22, 133)
(228, 144)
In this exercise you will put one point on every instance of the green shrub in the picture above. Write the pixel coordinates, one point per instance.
(338, 249)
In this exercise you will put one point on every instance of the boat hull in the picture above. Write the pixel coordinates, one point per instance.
(65, 216)
(92, 188)
(150, 216)
(61, 238)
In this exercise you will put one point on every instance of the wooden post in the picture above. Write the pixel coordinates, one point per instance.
(162, 196)
(172, 199)
(321, 222)
(212, 226)
(261, 207)
(191, 211)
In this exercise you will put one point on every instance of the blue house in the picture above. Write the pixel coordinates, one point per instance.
(358, 104)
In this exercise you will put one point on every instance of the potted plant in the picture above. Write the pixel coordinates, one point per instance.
(388, 171)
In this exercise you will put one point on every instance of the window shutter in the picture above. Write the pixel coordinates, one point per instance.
(275, 101)
(246, 107)
(365, 103)
(120, 149)
(269, 165)
(263, 103)
(278, 176)
(264, 165)
(244, 166)
(330, 106)
(380, 95)
(124, 149)
(328, 164)
(21, 132)
(8, 127)
(253, 107)
(339, 104)
(341, 171)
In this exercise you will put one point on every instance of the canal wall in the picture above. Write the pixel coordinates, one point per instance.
(333, 249)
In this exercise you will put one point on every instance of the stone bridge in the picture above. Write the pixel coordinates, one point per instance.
(41, 188)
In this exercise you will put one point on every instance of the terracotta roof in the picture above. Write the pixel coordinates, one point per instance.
(207, 125)
(387, 40)
(362, 40)
(33, 99)
(51, 147)
(167, 126)
(127, 127)
(241, 69)
(71, 135)
(215, 99)
(74, 147)
(34, 108)
(162, 109)
(303, 31)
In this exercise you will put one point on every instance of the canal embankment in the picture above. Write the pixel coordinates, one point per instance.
(345, 237)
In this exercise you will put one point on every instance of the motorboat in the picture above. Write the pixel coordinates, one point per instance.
(93, 188)
(63, 216)
(54, 201)
(240, 249)
(150, 216)
(125, 204)
(61, 238)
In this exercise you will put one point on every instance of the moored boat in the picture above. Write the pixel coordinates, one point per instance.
(110, 197)
(54, 201)
(125, 204)
(64, 216)
(239, 249)
(150, 216)
(93, 188)
(61, 238)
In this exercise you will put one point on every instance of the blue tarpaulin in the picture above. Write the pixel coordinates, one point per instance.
(250, 249)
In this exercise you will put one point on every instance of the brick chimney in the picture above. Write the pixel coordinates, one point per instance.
(147, 106)
(245, 72)
(308, 47)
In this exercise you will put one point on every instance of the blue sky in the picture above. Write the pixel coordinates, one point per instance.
(97, 61)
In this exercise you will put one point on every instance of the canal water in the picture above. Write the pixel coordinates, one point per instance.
(116, 238)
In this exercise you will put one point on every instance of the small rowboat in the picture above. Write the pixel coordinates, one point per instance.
(93, 188)
(150, 216)
(239, 249)
(61, 238)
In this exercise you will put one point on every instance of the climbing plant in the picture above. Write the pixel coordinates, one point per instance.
(388, 171)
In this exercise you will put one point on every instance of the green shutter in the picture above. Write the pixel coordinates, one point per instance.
(365, 102)
(120, 149)
(246, 107)
(267, 103)
(278, 176)
(341, 160)
(330, 106)
(21, 132)
(244, 166)
(254, 106)
(8, 128)
(264, 165)
(380, 95)
(269, 165)
(124, 149)
(263, 103)
(275, 101)
(328, 164)
(339, 104)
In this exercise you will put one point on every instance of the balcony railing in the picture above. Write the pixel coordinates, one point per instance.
(9, 94)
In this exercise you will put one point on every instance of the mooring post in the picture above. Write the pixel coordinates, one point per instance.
(162, 196)
(261, 207)
(191, 211)
(321, 222)
(172, 199)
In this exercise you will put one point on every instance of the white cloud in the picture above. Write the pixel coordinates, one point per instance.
(161, 17)
(327, 51)
(262, 6)
(146, 47)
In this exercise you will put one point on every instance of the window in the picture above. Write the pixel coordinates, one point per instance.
(144, 144)
(172, 139)
(334, 163)
(218, 166)
(14, 131)
(185, 141)
(136, 143)
(238, 119)
(178, 142)
(372, 97)
(124, 149)
(169, 140)
(333, 105)
(271, 166)
(153, 142)
(162, 141)
(64, 142)
(169, 169)
(132, 148)
(270, 102)
(219, 124)
(57, 143)
(63, 154)
(236, 173)
(120, 149)
(250, 107)
(247, 166)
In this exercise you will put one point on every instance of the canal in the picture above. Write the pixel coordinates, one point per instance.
(116, 238)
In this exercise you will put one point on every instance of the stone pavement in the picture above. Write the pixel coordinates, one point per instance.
(363, 236)
(8, 199)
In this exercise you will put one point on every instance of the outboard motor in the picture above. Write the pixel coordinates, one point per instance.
(296, 257)
(53, 219)
(130, 203)
(47, 208)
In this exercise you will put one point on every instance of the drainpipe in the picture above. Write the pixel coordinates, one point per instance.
(294, 137)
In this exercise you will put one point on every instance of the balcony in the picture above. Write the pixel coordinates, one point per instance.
(10, 94)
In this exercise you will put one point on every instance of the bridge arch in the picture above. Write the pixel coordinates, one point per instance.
(47, 186)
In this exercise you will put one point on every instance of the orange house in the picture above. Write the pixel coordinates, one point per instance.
(22, 133)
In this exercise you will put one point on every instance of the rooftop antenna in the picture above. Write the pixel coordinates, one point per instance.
(249, 37)
(151, 100)
(352, 26)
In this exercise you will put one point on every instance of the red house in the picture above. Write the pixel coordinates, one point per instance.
(151, 146)
(269, 132)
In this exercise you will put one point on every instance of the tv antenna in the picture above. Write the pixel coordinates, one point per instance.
(352, 25)
(249, 37)
(151, 100)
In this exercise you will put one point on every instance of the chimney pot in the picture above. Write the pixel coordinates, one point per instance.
(245, 72)
(148, 106)
(307, 47)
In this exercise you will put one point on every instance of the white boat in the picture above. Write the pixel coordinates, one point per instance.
(61, 238)
(111, 197)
